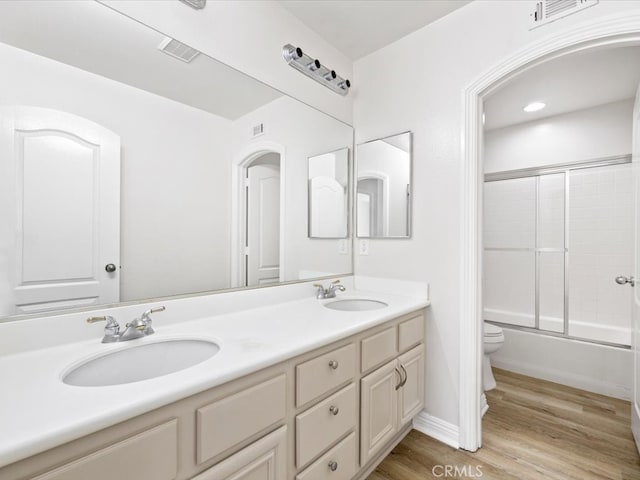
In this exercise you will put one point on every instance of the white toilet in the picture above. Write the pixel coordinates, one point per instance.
(492, 341)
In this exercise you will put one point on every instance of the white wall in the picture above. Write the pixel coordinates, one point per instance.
(587, 134)
(416, 84)
(249, 35)
(175, 194)
(305, 133)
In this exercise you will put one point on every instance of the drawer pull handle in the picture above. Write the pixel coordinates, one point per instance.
(333, 466)
(400, 375)
(404, 370)
(334, 410)
(333, 364)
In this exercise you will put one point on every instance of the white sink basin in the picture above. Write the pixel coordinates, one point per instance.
(355, 304)
(141, 362)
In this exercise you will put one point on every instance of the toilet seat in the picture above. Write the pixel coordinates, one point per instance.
(492, 333)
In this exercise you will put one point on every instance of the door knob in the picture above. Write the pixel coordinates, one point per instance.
(110, 267)
(621, 280)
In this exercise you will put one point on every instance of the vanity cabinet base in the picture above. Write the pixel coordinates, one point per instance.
(332, 413)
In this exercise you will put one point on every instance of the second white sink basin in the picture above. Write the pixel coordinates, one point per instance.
(141, 362)
(355, 304)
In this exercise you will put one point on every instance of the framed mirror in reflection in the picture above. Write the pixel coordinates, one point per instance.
(383, 187)
(329, 195)
(135, 167)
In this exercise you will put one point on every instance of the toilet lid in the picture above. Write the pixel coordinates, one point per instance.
(491, 330)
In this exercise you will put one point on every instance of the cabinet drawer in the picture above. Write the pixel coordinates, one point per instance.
(323, 424)
(236, 418)
(378, 348)
(344, 456)
(410, 333)
(150, 455)
(317, 376)
(265, 459)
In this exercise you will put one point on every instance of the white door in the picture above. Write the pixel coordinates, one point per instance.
(635, 307)
(59, 211)
(327, 208)
(364, 215)
(263, 224)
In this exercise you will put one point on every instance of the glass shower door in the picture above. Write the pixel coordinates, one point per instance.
(601, 229)
(509, 251)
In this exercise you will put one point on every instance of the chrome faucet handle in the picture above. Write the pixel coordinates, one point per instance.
(330, 291)
(146, 313)
(111, 329)
(335, 285)
(145, 320)
(321, 293)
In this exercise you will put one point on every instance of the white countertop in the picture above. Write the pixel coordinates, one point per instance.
(38, 411)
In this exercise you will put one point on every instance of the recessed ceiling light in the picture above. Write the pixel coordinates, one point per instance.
(534, 106)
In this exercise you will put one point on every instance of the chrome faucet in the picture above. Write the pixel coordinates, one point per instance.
(137, 328)
(330, 291)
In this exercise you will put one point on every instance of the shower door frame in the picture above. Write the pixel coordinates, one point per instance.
(537, 172)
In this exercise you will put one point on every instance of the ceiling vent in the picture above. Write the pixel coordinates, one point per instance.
(178, 50)
(547, 11)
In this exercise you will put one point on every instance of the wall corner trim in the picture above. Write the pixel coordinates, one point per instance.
(437, 428)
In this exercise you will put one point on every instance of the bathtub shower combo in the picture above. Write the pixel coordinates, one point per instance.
(555, 239)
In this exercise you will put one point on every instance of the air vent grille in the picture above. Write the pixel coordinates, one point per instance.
(178, 50)
(547, 11)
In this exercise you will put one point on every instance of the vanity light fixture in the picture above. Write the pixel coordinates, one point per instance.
(534, 107)
(312, 68)
(197, 4)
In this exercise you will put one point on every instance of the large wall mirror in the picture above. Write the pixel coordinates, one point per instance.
(329, 195)
(134, 167)
(383, 187)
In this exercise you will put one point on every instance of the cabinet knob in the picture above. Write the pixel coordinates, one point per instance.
(333, 466)
(333, 364)
(334, 410)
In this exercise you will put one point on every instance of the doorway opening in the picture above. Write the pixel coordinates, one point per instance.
(614, 31)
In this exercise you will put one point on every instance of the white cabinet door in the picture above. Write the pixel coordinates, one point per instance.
(59, 211)
(379, 412)
(411, 394)
(265, 459)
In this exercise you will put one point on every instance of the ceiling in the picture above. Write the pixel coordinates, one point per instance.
(95, 38)
(574, 82)
(358, 28)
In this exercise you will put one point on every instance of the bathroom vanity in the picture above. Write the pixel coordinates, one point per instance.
(314, 393)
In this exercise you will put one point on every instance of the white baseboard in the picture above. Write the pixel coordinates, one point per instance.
(434, 427)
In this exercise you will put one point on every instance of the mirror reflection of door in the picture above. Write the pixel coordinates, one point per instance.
(371, 221)
(60, 209)
(383, 173)
(262, 258)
